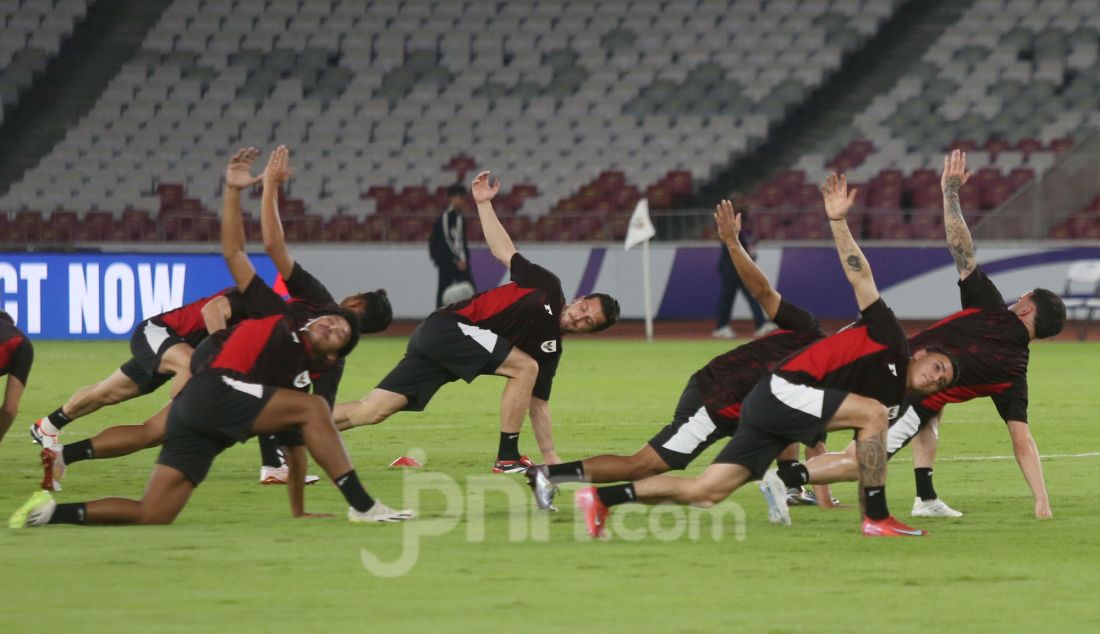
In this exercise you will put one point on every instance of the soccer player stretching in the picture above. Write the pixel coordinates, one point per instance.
(514, 331)
(845, 381)
(710, 405)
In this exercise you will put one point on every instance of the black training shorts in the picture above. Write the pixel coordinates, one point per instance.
(440, 350)
(147, 345)
(211, 414)
(691, 431)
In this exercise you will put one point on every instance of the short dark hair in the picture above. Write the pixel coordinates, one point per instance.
(377, 313)
(610, 309)
(1050, 313)
(456, 190)
(950, 357)
(353, 338)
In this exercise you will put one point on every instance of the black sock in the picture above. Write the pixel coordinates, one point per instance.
(793, 473)
(874, 499)
(74, 513)
(566, 472)
(58, 418)
(509, 447)
(77, 451)
(616, 494)
(269, 451)
(925, 490)
(354, 492)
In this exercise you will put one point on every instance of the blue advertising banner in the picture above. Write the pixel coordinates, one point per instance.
(104, 295)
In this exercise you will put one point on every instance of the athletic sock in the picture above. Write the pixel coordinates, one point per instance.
(354, 492)
(58, 419)
(269, 451)
(77, 451)
(874, 500)
(73, 513)
(793, 473)
(616, 494)
(925, 490)
(509, 447)
(566, 472)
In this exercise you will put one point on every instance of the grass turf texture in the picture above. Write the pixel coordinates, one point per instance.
(236, 561)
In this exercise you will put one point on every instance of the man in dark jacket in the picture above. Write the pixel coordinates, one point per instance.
(447, 245)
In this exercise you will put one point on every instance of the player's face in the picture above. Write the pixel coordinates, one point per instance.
(583, 315)
(328, 335)
(929, 372)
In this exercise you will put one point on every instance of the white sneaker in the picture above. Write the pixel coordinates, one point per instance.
(725, 332)
(379, 514)
(36, 511)
(933, 508)
(55, 460)
(44, 433)
(765, 328)
(279, 475)
(775, 494)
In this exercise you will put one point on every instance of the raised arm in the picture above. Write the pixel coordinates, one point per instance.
(959, 241)
(237, 177)
(754, 280)
(496, 237)
(277, 172)
(838, 201)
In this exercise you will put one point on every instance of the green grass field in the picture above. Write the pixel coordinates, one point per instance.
(236, 561)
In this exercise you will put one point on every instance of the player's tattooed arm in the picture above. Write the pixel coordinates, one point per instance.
(756, 283)
(838, 201)
(959, 241)
(483, 189)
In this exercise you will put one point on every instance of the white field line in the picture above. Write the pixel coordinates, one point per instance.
(1091, 454)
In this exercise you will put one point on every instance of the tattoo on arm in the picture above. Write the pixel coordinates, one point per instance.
(855, 263)
(871, 455)
(959, 241)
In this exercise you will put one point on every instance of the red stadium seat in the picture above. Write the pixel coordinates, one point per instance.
(170, 194)
(61, 227)
(27, 226)
(1061, 145)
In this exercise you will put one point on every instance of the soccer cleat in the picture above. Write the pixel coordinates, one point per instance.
(41, 436)
(513, 466)
(542, 487)
(889, 527)
(725, 332)
(595, 513)
(279, 475)
(36, 511)
(933, 508)
(798, 496)
(53, 465)
(379, 514)
(775, 494)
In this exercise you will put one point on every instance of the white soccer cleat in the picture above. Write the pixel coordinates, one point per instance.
(775, 494)
(379, 514)
(41, 434)
(279, 475)
(933, 508)
(36, 511)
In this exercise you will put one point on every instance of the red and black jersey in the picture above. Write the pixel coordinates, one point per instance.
(187, 322)
(991, 345)
(16, 351)
(267, 350)
(728, 378)
(869, 358)
(526, 311)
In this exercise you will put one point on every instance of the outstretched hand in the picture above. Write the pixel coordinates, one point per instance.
(278, 167)
(729, 223)
(239, 173)
(954, 172)
(838, 200)
(484, 187)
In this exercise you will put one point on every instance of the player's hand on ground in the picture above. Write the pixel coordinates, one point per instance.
(1042, 510)
(484, 187)
(239, 173)
(954, 172)
(314, 516)
(728, 222)
(278, 167)
(838, 199)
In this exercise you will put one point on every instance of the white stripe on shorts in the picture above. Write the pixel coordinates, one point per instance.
(485, 338)
(907, 426)
(155, 336)
(252, 389)
(692, 433)
(803, 398)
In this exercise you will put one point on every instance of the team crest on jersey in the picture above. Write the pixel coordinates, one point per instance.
(302, 379)
(893, 368)
(550, 346)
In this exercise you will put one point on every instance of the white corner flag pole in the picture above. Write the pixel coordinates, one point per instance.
(641, 230)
